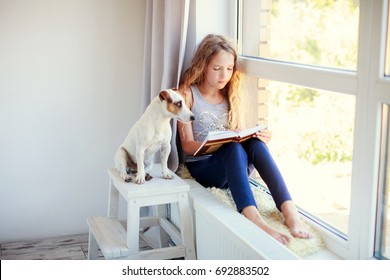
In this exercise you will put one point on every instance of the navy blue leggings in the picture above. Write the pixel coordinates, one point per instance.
(231, 166)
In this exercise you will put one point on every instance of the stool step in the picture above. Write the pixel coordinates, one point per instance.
(110, 235)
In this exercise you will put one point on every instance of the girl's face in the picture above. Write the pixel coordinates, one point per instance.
(220, 70)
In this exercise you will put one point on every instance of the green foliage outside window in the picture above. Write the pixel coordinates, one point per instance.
(317, 33)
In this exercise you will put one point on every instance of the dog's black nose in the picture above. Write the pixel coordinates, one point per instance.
(192, 118)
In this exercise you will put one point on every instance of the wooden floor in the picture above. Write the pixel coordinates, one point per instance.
(73, 247)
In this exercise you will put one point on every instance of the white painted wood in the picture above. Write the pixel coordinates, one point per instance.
(186, 226)
(151, 232)
(110, 237)
(117, 243)
(156, 186)
(93, 247)
(113, 200)
(161, 213)
(157, 254)
(145, 222)
(156, 199)
(133, 225)
(172, 231)
(150, 239)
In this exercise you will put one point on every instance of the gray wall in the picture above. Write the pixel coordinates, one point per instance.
(70, 83)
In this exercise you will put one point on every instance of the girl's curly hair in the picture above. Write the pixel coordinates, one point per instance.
(210, 46)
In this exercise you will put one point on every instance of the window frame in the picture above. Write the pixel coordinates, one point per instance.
(371, 88)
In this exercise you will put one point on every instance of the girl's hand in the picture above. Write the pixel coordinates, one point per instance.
(264, 136)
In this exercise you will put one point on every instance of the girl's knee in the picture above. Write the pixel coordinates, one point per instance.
(256, 146)
(235, 150)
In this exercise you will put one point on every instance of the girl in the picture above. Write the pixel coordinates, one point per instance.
(211, 89)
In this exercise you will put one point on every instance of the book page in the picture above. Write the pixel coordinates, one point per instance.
(251, 130)
(221, 134)
(215, 139)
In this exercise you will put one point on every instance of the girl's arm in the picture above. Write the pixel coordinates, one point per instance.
(188, 144)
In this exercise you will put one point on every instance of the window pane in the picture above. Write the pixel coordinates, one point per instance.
(382, 235)
(387, 64)
(312, 144)
(323, 33)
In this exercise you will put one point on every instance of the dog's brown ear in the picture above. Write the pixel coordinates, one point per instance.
(164, 95)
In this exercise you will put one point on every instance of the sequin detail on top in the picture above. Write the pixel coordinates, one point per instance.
(210, 122)
(208, 117)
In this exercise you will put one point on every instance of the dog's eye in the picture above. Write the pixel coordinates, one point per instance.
(179, 104)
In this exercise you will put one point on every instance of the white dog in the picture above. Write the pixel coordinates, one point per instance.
(149, 134)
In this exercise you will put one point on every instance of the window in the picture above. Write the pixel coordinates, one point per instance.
(313, 128)
(313, 145)
(323, 33)
(382, 233)
(318, 72)
(387, 63)
(382, 243)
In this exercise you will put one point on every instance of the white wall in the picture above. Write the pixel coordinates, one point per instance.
(216, 16)
(70, 79)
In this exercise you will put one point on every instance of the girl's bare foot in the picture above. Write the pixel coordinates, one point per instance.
(252, 214)
(292, 221)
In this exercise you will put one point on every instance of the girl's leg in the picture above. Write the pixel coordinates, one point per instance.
(292, 221)
(260, 156)
(229, 166)
(253, 214)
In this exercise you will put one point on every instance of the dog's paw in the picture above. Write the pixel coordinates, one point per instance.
(167, 175)
(126, 177)
(148, 177)
(140, 179)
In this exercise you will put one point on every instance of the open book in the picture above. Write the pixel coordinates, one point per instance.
(215, 139)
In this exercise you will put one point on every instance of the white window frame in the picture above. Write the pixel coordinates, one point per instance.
(371, 89)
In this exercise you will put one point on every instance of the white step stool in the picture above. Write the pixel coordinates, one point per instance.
(108, 234)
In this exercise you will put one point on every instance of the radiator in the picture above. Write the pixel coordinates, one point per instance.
(222, 233)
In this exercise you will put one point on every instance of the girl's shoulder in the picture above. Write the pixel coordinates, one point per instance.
(187, 94)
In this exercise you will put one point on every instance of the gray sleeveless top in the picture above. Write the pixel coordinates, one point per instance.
(208, 117)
